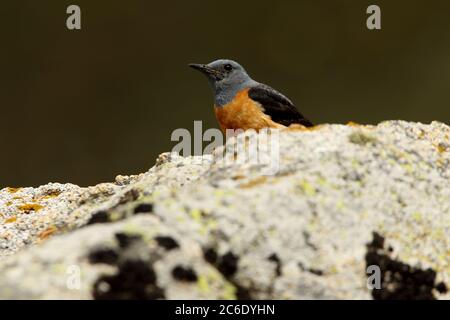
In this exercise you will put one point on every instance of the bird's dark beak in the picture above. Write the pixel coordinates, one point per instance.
(203, 68)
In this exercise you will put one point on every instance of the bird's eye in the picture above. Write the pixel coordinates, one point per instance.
(228, 67)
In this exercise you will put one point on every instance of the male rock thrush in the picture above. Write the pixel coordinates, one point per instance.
(242, 103)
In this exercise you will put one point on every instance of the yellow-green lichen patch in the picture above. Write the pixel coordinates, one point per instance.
(417, 216)
(441, 147)
(229, 292)
(408, 168)
(196, 214)
(209, 225)
(115, 216)
(340, 205)
(361, 138)
(180, 218)
(145, 233)
(203, 285)
(212, 281)
(60, 268)
(205, 223)
(322, 181)
(421, 135)
(307, 188)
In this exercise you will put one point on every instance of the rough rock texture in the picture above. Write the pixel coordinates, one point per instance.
(344, 198)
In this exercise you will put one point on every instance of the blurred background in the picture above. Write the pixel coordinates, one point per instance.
(84, 106)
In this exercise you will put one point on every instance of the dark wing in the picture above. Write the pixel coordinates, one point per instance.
(277, 106)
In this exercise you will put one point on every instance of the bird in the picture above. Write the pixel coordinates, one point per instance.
(243, 103)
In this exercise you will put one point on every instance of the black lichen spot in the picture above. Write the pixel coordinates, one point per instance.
(308, 242)
(135, 280)
(135, 277)
(228, 264)
(377, 241)
(126, 240)
(274, 258)
(167, 243)
(399, 281)
(143, 208)
(103, 255)
(441, 288)
(99, 217)
(210, 255)
(184, 274)
(242, 293)
(316, 272)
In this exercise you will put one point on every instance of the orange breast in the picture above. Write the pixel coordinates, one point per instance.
(244, 113)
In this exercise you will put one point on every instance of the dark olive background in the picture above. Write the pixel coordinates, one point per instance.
(84, 106)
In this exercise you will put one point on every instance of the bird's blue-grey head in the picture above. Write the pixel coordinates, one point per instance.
(226, 77)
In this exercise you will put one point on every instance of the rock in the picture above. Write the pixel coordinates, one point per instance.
(342, 200)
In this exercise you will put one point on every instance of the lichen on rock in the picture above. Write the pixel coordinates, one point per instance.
(344, 198)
